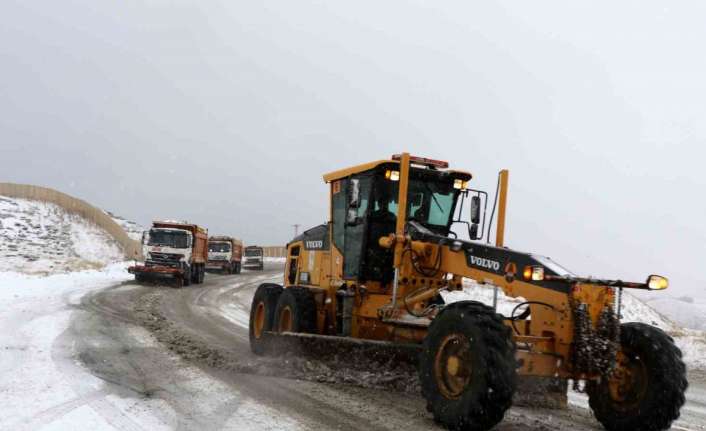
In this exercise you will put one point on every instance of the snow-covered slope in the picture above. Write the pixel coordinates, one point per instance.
(133, 230)
(685, 311)
(691, 342)
(41, 238)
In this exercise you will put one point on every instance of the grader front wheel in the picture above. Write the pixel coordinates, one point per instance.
(467, 367)
(296, 311)
(646, 390)
(262, 315)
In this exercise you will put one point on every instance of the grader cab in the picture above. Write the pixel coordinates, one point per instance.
(374, 273)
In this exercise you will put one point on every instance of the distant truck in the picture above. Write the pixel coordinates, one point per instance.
(254, 258)
(176, 250)
(224, 254)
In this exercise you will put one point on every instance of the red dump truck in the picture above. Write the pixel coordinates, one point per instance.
(173, 249)
(224, 254)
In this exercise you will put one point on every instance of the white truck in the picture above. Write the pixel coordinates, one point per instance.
(173, 249)
(254, 258)
(224, 254)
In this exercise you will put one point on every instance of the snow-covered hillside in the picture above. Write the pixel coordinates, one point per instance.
(691, 342)
(41, 238)
(132, 229)
(687, 312)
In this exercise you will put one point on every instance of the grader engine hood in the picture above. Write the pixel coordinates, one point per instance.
(505, 262)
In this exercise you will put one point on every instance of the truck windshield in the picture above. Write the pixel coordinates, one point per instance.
(168, 238)
(219, 247)
(253, 252)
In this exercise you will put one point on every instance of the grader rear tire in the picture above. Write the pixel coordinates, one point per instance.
(646, 391)
(467, 367)
(262, 315)
(296, 311)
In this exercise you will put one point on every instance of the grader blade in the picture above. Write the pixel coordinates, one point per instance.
(328, 347)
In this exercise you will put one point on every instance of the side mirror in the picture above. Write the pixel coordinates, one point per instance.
(475, 210)
(354, 194)
(473, 231)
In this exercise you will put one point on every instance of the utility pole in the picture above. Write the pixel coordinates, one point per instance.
(296, 229)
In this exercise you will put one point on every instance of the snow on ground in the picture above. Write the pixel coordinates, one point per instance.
(133, 230)
(41, 238)
(35, 313)
(691, 342)
(44, 385)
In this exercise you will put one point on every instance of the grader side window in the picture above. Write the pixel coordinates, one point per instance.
(339, 192)
(355, 232)
(293, 264)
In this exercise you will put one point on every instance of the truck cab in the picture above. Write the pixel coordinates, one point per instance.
(167, 247)
(173, 249)
(254, 258)
(224, 254)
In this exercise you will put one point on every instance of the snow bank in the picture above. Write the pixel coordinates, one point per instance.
(16, 286)
(42, 238)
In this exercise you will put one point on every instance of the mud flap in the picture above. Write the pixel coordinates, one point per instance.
(328, 347)
(541, 392)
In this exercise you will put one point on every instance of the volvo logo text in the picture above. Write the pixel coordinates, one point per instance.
(485, 263)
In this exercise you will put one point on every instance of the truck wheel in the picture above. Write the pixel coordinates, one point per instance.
(139, 278)
(296, 311)
(467, 367)
(262, 315)
(237, 267)
(646, 390)
(195, 273)
(186, 278)
(202, 273)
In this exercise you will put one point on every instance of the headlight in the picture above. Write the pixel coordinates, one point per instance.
(392, 175)
(460, 184)
(534, 273)
(456, 246)
(657, 282)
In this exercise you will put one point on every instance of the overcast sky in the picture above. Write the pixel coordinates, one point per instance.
(227, 113)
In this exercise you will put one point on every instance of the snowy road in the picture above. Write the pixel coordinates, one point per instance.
(107, 354)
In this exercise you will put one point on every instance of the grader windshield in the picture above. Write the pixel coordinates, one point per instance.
(431, 199)
(366, 205)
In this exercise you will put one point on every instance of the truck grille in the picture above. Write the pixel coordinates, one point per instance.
(163, 259)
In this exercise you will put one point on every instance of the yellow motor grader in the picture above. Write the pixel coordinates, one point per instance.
(374, 273)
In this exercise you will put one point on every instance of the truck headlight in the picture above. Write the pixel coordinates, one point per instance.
(657, 282)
